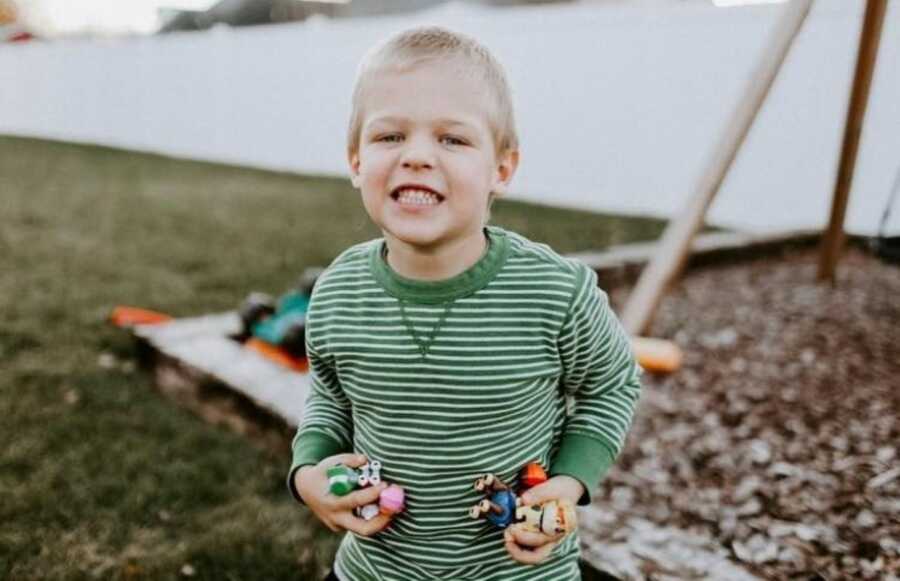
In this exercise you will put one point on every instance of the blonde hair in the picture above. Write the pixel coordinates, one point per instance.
(429, 44)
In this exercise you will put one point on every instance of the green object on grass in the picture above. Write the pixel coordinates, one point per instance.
(291, 311)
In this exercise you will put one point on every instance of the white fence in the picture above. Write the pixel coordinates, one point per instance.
(618, 106)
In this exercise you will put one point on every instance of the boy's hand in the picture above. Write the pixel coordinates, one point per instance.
(530, 547)
(336, 512)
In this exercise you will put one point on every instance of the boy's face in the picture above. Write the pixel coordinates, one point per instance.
(426, 162)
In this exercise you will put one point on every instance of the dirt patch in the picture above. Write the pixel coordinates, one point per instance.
(779, 437)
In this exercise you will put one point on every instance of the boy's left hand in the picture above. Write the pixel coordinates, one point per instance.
(530, 547)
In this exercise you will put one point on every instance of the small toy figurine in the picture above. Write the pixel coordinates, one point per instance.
(370, 474)
(391, 500)
(500, 508)
(343, 480)
(532, 475)
(504, 507)
(552, 518)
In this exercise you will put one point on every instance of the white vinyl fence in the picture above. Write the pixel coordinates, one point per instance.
(618, 105)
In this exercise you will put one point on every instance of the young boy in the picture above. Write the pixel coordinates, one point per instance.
(450, 349)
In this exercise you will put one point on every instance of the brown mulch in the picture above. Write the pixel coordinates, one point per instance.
(779, 437)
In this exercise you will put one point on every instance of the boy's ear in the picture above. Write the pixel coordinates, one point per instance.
(353, 159)
(507, 163)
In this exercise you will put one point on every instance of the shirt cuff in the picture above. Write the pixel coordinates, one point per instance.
(310, 448)
(585, 459)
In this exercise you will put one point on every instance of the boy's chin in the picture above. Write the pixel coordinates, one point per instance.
(424, 241)
(431, 242)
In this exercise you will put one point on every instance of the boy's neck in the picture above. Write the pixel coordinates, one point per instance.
(445, 262)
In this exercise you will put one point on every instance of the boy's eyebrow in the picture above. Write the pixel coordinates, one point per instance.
(445, 122)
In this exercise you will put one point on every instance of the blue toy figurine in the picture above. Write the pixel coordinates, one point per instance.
(503, 507)
(500, 508)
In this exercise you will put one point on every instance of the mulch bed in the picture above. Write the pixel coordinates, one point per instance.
(779, 437)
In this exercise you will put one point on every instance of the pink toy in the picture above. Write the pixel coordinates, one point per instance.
(391, 500)
(343, 480)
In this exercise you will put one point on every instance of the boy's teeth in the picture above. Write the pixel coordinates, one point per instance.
(418, 197)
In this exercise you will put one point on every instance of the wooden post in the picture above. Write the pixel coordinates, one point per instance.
(676, 240)
(869, 38)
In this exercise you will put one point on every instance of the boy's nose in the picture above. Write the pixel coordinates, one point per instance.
(416, 163)
(417, 155)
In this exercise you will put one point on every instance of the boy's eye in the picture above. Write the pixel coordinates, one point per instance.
(451, 140)
(390, 138)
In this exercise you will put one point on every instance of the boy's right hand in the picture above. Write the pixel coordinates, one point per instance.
(336, 512)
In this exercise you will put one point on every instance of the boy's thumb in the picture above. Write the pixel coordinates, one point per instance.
(538, 494)
(351, 460)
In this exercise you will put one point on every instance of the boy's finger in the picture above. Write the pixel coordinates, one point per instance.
(351, 460)
(527, 556)
(529, 538)
(360, 497)
(560, 486)
(541, 493)
(368, 528)
(349, 522)
(533, 496)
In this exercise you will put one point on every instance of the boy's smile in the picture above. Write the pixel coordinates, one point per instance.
(416, 195)
(426, 162)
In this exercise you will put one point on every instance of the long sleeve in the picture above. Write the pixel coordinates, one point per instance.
(326, 428)
(601, 380)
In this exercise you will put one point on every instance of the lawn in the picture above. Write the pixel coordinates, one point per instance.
(100, 477)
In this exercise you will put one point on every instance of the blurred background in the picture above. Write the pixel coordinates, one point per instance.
(179, 154)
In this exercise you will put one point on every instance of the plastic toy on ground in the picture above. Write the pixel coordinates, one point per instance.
(343, 480)
(279, 324)
(277, 355)
(503, 507)
(657, 355)
(125, 316)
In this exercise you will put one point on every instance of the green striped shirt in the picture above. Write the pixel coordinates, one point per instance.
(518, 359)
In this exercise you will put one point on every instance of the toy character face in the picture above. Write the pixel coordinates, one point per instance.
(530, 517)
(426, 162)
(558, 518)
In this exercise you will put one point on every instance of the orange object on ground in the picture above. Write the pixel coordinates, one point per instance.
(657, 355)
(123, 316)
(277, 354)
(532, 475)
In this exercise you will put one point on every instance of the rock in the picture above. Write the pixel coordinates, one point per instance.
(865, 519)
(723, 338)
(758, 549)
(107, 360)
(884, 478)
(750, 508)
(886, 453)
(760, 452)
(746, 489)
(622, 498)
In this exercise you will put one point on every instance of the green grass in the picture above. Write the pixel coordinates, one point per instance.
(100, 477)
